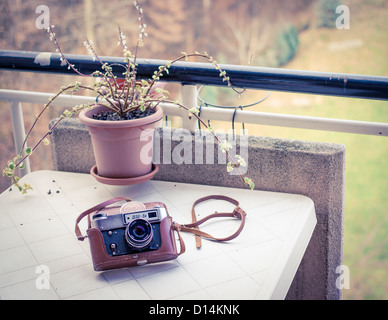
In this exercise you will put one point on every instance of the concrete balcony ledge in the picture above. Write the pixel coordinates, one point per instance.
(316, 170)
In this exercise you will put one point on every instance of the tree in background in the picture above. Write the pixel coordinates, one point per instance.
(326, 13)
(248, 32)
(287, 43)
(242, 27)
(165, 26)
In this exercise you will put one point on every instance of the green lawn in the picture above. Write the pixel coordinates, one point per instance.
(366, 200)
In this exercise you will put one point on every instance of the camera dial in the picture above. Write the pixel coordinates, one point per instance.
(138, 234)
(99, 216)
(132, 206)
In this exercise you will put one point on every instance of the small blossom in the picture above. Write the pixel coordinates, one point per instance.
(193, 110)
(225, 146)
(89, 46)
(122, 39)
(241, 161)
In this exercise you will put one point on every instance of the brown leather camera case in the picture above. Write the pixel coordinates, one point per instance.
(103, 261)
(168, 249)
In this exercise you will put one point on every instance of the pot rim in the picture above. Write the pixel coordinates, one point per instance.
(85, 117)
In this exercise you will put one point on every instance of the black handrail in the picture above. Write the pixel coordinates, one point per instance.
(272, 79)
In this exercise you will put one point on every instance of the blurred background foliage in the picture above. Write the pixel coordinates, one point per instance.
(297, 34)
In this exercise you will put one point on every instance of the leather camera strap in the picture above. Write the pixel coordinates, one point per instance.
(193, 227)
(94, 209)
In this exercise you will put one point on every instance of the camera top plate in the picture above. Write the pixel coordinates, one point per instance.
(150, 215)
(110, 221)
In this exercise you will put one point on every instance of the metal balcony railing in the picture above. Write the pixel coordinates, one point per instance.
(192, 74)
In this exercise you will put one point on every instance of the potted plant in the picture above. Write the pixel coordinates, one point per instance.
(121, 124)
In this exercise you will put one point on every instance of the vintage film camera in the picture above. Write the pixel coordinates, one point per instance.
(128, 233)
(124, 236)
(135, 234)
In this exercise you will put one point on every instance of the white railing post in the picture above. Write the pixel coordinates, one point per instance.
(189, 99)
(19, 132)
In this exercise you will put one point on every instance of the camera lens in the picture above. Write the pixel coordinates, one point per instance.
(139, 231)
(139, 234)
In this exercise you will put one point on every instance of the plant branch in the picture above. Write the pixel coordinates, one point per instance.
(131, 96)
(195, 113)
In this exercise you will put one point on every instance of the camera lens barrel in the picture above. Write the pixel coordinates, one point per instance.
(138, 234)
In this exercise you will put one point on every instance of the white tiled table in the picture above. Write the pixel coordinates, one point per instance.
(37, 229)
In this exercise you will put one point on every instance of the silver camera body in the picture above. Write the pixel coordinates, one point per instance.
(129, 233)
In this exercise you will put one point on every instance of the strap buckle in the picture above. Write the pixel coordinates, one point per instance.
(239, 213)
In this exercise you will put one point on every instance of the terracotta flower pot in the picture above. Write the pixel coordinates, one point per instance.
(122, 149)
